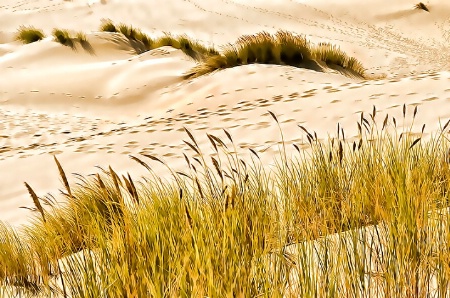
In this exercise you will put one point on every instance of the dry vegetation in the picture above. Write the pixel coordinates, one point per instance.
(29, 34)
(283, 48)
(63, 37)
(229, 228)
(421, 6)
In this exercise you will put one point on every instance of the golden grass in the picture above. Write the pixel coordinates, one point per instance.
(108, 26)
(225, 227)
(63, 37)
(282, 48)
(29, 34)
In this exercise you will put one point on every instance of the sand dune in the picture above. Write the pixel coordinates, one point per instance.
(96, 107)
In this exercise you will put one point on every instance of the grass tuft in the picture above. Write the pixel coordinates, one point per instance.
(294, 49)
(108, 26)
(29, 34)
(282, 48)
(421, 6)
(63, 37)
(167, 40)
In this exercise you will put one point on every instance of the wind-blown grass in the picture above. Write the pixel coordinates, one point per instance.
(229, 226)
(190, 47)
(29, 34)
(108, 26)
(332, 55)
(282, 48)
(63, 37)
(421, 6)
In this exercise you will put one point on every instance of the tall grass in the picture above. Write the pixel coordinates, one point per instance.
(359, 219)
(29, 34)
(190, 47)
(63, 37)
(283, 48)
(108, 26)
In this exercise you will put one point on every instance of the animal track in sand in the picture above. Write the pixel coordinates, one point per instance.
(430, 98)
(304, 96)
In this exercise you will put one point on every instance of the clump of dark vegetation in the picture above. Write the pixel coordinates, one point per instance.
(29, 34)
(108, 26)
(134, 35)
(63, 37)
(282, 48)
(81, 38)
(421, 6)
(190, 47)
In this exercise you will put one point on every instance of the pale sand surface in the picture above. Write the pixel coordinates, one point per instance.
(97, 108)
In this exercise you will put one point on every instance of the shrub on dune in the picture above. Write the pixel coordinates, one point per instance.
(127, 30)
(194, 49)
(332, 55)
(29, 34)
(421, 6)
(283, 48)
(140, 41)
(356, 66)
(63, 37)
(258, 48)
(81, 38)
(108, 26)
(167, 40)
(210, 65)
(293, 49)
(146, 40)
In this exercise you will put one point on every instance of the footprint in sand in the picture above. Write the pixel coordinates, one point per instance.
(431, 98)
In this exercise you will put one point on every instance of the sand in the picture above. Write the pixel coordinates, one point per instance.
(97, 107)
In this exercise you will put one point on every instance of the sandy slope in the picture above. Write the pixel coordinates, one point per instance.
(98, 106)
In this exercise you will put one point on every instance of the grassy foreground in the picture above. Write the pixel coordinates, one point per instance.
(226, 227)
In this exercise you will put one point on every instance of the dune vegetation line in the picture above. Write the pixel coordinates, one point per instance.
(366, 218)
(283, 48)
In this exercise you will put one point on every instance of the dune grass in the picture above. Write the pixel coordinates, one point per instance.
(108, 26)
(282, 48)
(29, 34)
(332, 55)
(190, 47)
(227, 226)
(63, 37)
(421, 6)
